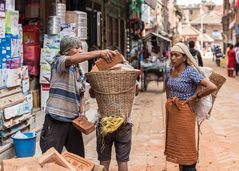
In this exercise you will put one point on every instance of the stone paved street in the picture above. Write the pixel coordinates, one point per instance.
(219, 140)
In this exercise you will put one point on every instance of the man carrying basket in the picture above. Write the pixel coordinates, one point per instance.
(114, 92)
(67, 86)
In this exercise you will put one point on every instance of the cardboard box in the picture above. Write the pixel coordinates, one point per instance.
(52, 41)
(19, 42)
(11, 100)
(18, 109)
(68, 29)
(10, 5)
(13, 63)
(16, 120)
(44, 95)
(3, 53)
(25, 86)
(3, 76)
(14, 46)
(2, 26)
(13, 78)
(45, 74)
(47, 55)
(9, 92)
(29, 103)
(8, 44)
(12, 18)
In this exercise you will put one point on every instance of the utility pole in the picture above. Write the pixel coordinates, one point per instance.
(201, 30)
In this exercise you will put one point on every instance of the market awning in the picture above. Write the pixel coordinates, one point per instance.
(188, 30)
(207, 38)
(148, 36)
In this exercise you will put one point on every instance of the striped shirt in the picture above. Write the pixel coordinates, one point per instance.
(66, 85)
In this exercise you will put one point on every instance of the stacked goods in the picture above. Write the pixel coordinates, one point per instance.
(59, 10)
(114, 90)
(15, 104)
(15, 95)
(51, 46)
(80, 18)
(54, 25)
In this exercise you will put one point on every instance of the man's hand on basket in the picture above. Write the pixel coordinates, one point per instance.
(107, 55)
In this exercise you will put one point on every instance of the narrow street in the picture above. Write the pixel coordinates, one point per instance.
(46, 46)
(218, 143)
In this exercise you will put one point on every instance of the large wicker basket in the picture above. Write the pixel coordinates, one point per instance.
(114, 91)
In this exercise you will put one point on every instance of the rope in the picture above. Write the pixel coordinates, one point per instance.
(115, 93)
(198, 139)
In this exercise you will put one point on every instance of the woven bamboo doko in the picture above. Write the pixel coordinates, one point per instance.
(114, 91)
(218, 80)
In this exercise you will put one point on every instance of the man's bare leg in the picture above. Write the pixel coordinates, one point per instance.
(122, 166)
(106, 164)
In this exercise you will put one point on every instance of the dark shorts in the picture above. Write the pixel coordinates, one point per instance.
(122, 142)
(58, 134)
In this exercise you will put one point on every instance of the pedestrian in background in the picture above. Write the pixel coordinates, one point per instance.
(195, 53)
(182, 81)
(67, 86)
(231, 61)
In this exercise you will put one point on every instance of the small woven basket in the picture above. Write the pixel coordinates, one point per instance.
(114, 91)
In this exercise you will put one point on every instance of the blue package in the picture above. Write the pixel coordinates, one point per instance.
(8, 38)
